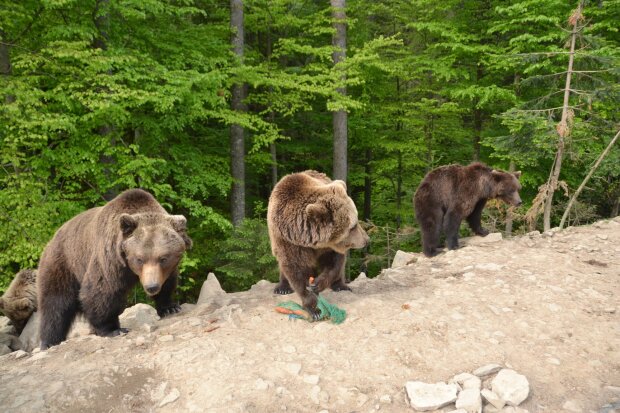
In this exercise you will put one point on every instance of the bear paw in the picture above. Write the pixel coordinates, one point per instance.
(482, 232)
(315, 313)
(340, 286)
(111, 333)
(283, 289)
(168, 310)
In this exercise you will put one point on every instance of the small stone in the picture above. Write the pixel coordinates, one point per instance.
(170, 398)
(511, 387)
(492, 398)
(457, 316)
(386, 399)
(166, 338)
(311, 379)
(489, 266)
(467, 381)
(554, 307)
(293, 368)
(314, 394)
(489, 239)
(289, 349)
(20, 354)
(403, 258)
(140, 340)
(572, 406)
(425, 396)
(602, 236)
(469, 399)
(261, 384)
(39, 356)
(553, 360)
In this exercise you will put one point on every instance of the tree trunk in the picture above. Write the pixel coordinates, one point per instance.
(5, 63)
(339, 41)
(477, 121)
(508, 231)
(367, 186)
(563, 128)
(399, 187)
(237, 146)
(587, 178)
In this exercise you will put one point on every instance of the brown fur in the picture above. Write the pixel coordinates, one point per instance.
(312, 224)
(20, 299)
(449, 194)
(95, 258)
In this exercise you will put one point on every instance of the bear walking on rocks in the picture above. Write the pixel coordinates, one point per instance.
(20, 299)
(449, 194)
(95, 258)
(312, 224)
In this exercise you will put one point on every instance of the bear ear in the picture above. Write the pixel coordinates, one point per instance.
(179, 224)
(128, 224)
(517, 174)
(316, 211)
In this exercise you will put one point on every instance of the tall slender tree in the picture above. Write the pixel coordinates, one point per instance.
(237, 144)
(339, 41)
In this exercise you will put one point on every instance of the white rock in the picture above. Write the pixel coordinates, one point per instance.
(135, 317)
(211, 290)
(467, 381)
(487, 370)
(458, 411)
(489, 266)
(311, 379)
(293, 368)
(166, 338)
(261, 384)
(478, 240)
(39, 356)
(289, 349)
(4, 349)
(511, 387)
(386, 398)
(20, 354)
(170, 398)
(492, 398)
(403, 258)
(572, 406)
(425, 396)
(469, 400)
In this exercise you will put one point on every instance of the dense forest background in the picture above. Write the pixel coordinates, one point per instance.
(177, 97)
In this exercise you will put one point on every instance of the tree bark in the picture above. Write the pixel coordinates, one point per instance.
(587, 178)
(237, 144)
(339, 41)
(509, 217)
(5, 63)
(477, 121)
(563, 128)
(367, 186)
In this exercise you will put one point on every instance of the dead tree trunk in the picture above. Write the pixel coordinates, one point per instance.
(563, 128)
(339, 41)
(509, 217)
(237, 144)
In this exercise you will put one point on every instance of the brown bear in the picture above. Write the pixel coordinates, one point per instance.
(312, 224)
(449, 194)
(95, 258)
(20, 299)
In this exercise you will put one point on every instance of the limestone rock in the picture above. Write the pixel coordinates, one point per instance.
(135, 317)
(425, 396)
(511, 387)
(11, 341)
(467, 381)
(469, 400)
(170, 398)
(211, 291)
(492, 398)
(4, 349)
(487, 370)
(403, 258)
(478, 240)
(6, 326)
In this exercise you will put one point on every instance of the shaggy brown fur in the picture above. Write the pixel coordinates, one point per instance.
(96, 257)
(20, 299)
(312, 224)
(449, 194)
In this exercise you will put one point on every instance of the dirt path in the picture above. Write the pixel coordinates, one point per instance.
(546, 306)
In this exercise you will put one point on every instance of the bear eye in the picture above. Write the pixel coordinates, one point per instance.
(163, 260)
(139, 261)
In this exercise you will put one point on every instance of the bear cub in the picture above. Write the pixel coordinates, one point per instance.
(312, 224)
(95, 258)
(449, 194)
(20, 299)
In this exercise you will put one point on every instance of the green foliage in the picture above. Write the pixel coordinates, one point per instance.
(246, 256)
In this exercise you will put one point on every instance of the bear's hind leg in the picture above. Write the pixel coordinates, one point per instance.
(58, 306)
(474, 219)
(332, 272)
(430, 227)
(102, 308)
(283, 286)
(452, 222)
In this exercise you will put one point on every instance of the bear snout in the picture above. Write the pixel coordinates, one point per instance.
(152, 289)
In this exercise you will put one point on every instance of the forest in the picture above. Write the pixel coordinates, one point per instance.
(207, 104)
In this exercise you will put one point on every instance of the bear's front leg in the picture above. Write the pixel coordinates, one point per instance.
(298, 279)
(474, 219)
(102, 303)
(283, 286)
(163, 300)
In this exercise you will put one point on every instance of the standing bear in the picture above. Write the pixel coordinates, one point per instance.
(95, 258)
(312, 224)
(449, 194)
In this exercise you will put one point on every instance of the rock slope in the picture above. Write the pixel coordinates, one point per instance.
(545, 305)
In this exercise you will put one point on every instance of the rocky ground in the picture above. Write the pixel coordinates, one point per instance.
(544, 305)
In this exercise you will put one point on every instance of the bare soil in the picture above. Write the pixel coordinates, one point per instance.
(544, 305)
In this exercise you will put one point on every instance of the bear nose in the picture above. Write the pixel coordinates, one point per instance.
(152, 288)
(519, 202)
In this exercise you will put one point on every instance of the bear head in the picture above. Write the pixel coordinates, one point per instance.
(153, 245)
(506, 187)
(334, 215)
